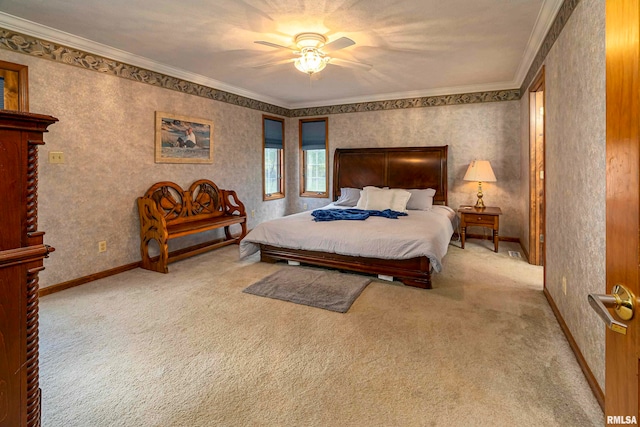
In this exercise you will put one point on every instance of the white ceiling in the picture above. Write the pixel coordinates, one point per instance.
(417, 47)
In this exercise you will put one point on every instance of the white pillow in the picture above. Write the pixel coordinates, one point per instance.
(348, 197)
(378, 200)
(400, 200)
(374, 198)
(421, 200)
(362, 202)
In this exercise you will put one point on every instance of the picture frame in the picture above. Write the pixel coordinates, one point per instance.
(183, 139)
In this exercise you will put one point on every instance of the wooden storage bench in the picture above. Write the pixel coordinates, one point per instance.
(167, 212)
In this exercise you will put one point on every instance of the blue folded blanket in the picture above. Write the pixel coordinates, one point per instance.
(352, 214)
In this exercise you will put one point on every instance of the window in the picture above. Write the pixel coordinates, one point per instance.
(313, 157)
(273, 159)
(15, 85)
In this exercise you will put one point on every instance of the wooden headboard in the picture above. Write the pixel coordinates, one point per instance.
(397, 167)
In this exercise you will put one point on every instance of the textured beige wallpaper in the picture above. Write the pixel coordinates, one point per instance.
(106, 132)
(488, 131)
(576, 174)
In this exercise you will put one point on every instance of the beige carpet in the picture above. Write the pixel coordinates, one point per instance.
(191, 349)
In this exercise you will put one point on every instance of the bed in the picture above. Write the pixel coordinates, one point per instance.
(411, 263)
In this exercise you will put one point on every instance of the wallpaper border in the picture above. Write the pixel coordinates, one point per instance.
(427, 101)
(33, 46)
(559, 22)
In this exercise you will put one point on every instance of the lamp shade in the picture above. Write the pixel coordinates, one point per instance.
(480, 171)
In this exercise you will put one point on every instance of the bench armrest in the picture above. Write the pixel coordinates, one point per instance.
(152, 222)
(233, 205)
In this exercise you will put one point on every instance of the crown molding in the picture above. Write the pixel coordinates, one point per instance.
(44, 32)
(561, 18)
(541, 28)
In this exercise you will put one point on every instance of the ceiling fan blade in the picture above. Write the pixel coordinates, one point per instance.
(278, 46)
(271, 64)
(350, 64)
(337, 44)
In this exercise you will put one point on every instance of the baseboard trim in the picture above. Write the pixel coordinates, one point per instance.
(177, 255)
(86, 279)
(525, 251)
(490, 237)
(591, 379)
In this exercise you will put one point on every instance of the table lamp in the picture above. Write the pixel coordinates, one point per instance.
(480, 170)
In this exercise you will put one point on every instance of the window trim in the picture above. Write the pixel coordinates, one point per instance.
(22, 74)
(281, 193)
(324, 194)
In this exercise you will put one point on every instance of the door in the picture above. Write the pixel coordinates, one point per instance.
(623, 202)
(536, 170)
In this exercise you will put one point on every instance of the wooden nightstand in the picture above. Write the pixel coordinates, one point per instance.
(486, 217)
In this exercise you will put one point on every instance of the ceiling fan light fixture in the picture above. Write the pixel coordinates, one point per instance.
(315, 40)
(311, 60)
(312, 50)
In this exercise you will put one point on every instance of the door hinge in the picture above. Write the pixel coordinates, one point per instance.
(541, 174)
(542, 238)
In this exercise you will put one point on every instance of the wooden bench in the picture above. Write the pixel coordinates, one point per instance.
(168, 212)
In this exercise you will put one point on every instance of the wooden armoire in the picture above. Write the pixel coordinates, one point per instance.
(21, 259)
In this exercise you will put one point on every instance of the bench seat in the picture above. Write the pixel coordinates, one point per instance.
(167, 212)
(187, 228)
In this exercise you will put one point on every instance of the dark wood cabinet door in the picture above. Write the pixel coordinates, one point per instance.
(21, 259)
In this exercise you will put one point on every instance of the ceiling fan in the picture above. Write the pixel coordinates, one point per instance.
(311, 53)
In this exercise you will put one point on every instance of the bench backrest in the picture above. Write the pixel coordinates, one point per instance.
(203, 200)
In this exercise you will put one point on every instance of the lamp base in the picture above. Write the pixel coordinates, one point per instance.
(479, 204)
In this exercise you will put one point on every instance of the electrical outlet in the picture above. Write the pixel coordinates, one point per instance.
(102, 246)
(253, 213)
(56, 157)
(564, 285)
(305, 206)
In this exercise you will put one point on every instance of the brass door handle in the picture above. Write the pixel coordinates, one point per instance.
(623, 302)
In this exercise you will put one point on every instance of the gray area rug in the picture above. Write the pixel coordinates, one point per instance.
(330, 290)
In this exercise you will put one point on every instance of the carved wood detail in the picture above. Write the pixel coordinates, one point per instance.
(21, 259)
(32, 187)
(167, 211)
(33, 390)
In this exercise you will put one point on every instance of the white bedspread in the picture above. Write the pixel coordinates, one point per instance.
(421, 233)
